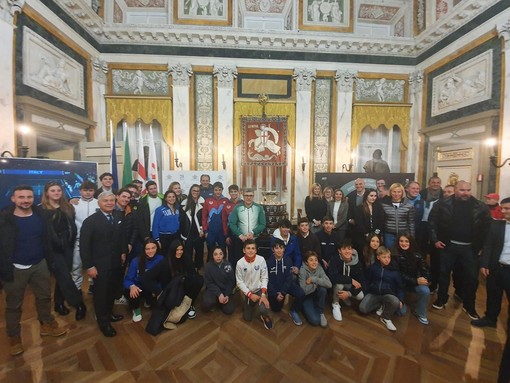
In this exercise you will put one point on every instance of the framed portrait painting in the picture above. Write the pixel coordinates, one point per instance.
(326, 15)
(203, 12)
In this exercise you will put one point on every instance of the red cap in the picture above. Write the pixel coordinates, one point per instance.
(493, 196)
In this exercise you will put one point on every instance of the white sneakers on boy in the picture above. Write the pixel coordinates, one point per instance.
(137, 315)
(324, 321)
(379, 311)
(389, 324)
(337, 314)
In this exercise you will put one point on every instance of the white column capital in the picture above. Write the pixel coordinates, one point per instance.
(100, 70)
(504, 30)
(225, 75)
(8, 8)
(304, 78)
(180, 73)
(345, 80)
(416, 82)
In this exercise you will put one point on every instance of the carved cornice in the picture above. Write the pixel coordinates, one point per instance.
(345, 80)
(180, 73)
(225, 75)
(8, 8)
(305, 41)
(304, 78)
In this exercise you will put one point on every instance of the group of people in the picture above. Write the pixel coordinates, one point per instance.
(370, 247)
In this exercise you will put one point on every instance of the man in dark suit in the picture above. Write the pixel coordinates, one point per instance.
(495, 266)
(103, 249)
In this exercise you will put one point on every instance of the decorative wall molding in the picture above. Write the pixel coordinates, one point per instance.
(235, 38)
(225, 75)
(322, 124)
(379, 90)
(138, 82)
(100, 70)
(345, 80)
(504, 30)
(304, 78)
(8, 8)
(180, 73)
(416, 82)
(204, 121)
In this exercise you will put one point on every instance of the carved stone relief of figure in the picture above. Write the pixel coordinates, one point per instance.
(53, 77)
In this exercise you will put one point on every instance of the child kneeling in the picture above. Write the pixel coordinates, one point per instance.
(385, 289)
(251, 277)
(314, 282)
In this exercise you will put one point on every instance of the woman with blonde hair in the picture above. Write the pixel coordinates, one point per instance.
(398, 215)
(316, 207)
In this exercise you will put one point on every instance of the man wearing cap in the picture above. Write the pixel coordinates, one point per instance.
(492, 201)
(212, 222)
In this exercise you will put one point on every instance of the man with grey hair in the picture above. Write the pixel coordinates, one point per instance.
(103, 249)
(247, 221)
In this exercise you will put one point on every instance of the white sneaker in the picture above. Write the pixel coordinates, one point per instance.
(389, 324)
(121, 301)
(137, 315)
(324, 321)
(379, 311)
(337, 314)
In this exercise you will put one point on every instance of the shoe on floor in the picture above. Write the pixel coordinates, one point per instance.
(268, 324)
(61, 309)
(471, 313)
(296, 318)
(121, 301)
(16, 347)
(192, 312)
(421, 319)
(324, 321)
(484, 322)
(137, 315)
(337, 313)
(81, 311)
(379, 311)
(389, 324)
(52, 329)
(439, 305)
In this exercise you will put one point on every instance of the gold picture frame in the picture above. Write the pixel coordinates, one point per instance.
(326, 15)
(203, 12)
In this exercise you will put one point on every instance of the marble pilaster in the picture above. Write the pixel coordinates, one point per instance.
(416, 98)
(304, 78)
(8, 9)
(99, 77)
(504, 138)
(181, 113)
(225, 104)
(345, 80)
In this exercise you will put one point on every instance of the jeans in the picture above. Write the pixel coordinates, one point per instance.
(372, 302)
(295, 291)
(423, 295)
(389, 240)
(313, 305)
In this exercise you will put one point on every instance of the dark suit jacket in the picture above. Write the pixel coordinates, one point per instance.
(101, 243)
(493, 245)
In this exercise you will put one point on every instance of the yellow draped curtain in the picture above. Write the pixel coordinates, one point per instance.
(374, 115)
(146, 109)
(272, 109)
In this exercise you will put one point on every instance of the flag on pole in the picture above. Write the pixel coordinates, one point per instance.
(153, 163)
(113, 159)
(142, 174)
(127, 173)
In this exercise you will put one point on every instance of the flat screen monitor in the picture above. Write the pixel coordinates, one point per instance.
(37, 172)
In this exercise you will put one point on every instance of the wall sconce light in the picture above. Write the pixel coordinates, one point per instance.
(494, 163)
(223, 163)
(347, 167)
(178, 164)
(303, 164)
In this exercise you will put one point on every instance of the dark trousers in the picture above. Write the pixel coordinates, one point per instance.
(134, 303)
(461, 258)
(504, 366)
(166, 240)
(65, 288)
(38, 278)
(294, 291)
(105, 289)
(210, 301)
(194, 250)
(497, 282)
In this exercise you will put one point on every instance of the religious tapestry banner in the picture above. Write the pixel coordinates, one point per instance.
(264, 141)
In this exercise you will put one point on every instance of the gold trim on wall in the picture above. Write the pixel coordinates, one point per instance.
(374, 115)
(147, 109)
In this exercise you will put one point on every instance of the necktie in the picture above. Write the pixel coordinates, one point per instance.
(110, 218)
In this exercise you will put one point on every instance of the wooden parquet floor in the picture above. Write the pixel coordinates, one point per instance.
(218, 348)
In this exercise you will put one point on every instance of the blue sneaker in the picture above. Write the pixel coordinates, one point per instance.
(295, 318)
(268, 324)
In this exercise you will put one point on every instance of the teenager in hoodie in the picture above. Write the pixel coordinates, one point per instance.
(314, 282)
(291, 242)
(346, 274)
(282, 281)
(220, 279)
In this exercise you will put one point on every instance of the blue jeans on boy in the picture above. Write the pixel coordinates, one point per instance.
(313, 305)
(294, 291)
(423, 295)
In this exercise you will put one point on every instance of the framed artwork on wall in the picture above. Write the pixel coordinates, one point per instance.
(203, 12)
(326, 15)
